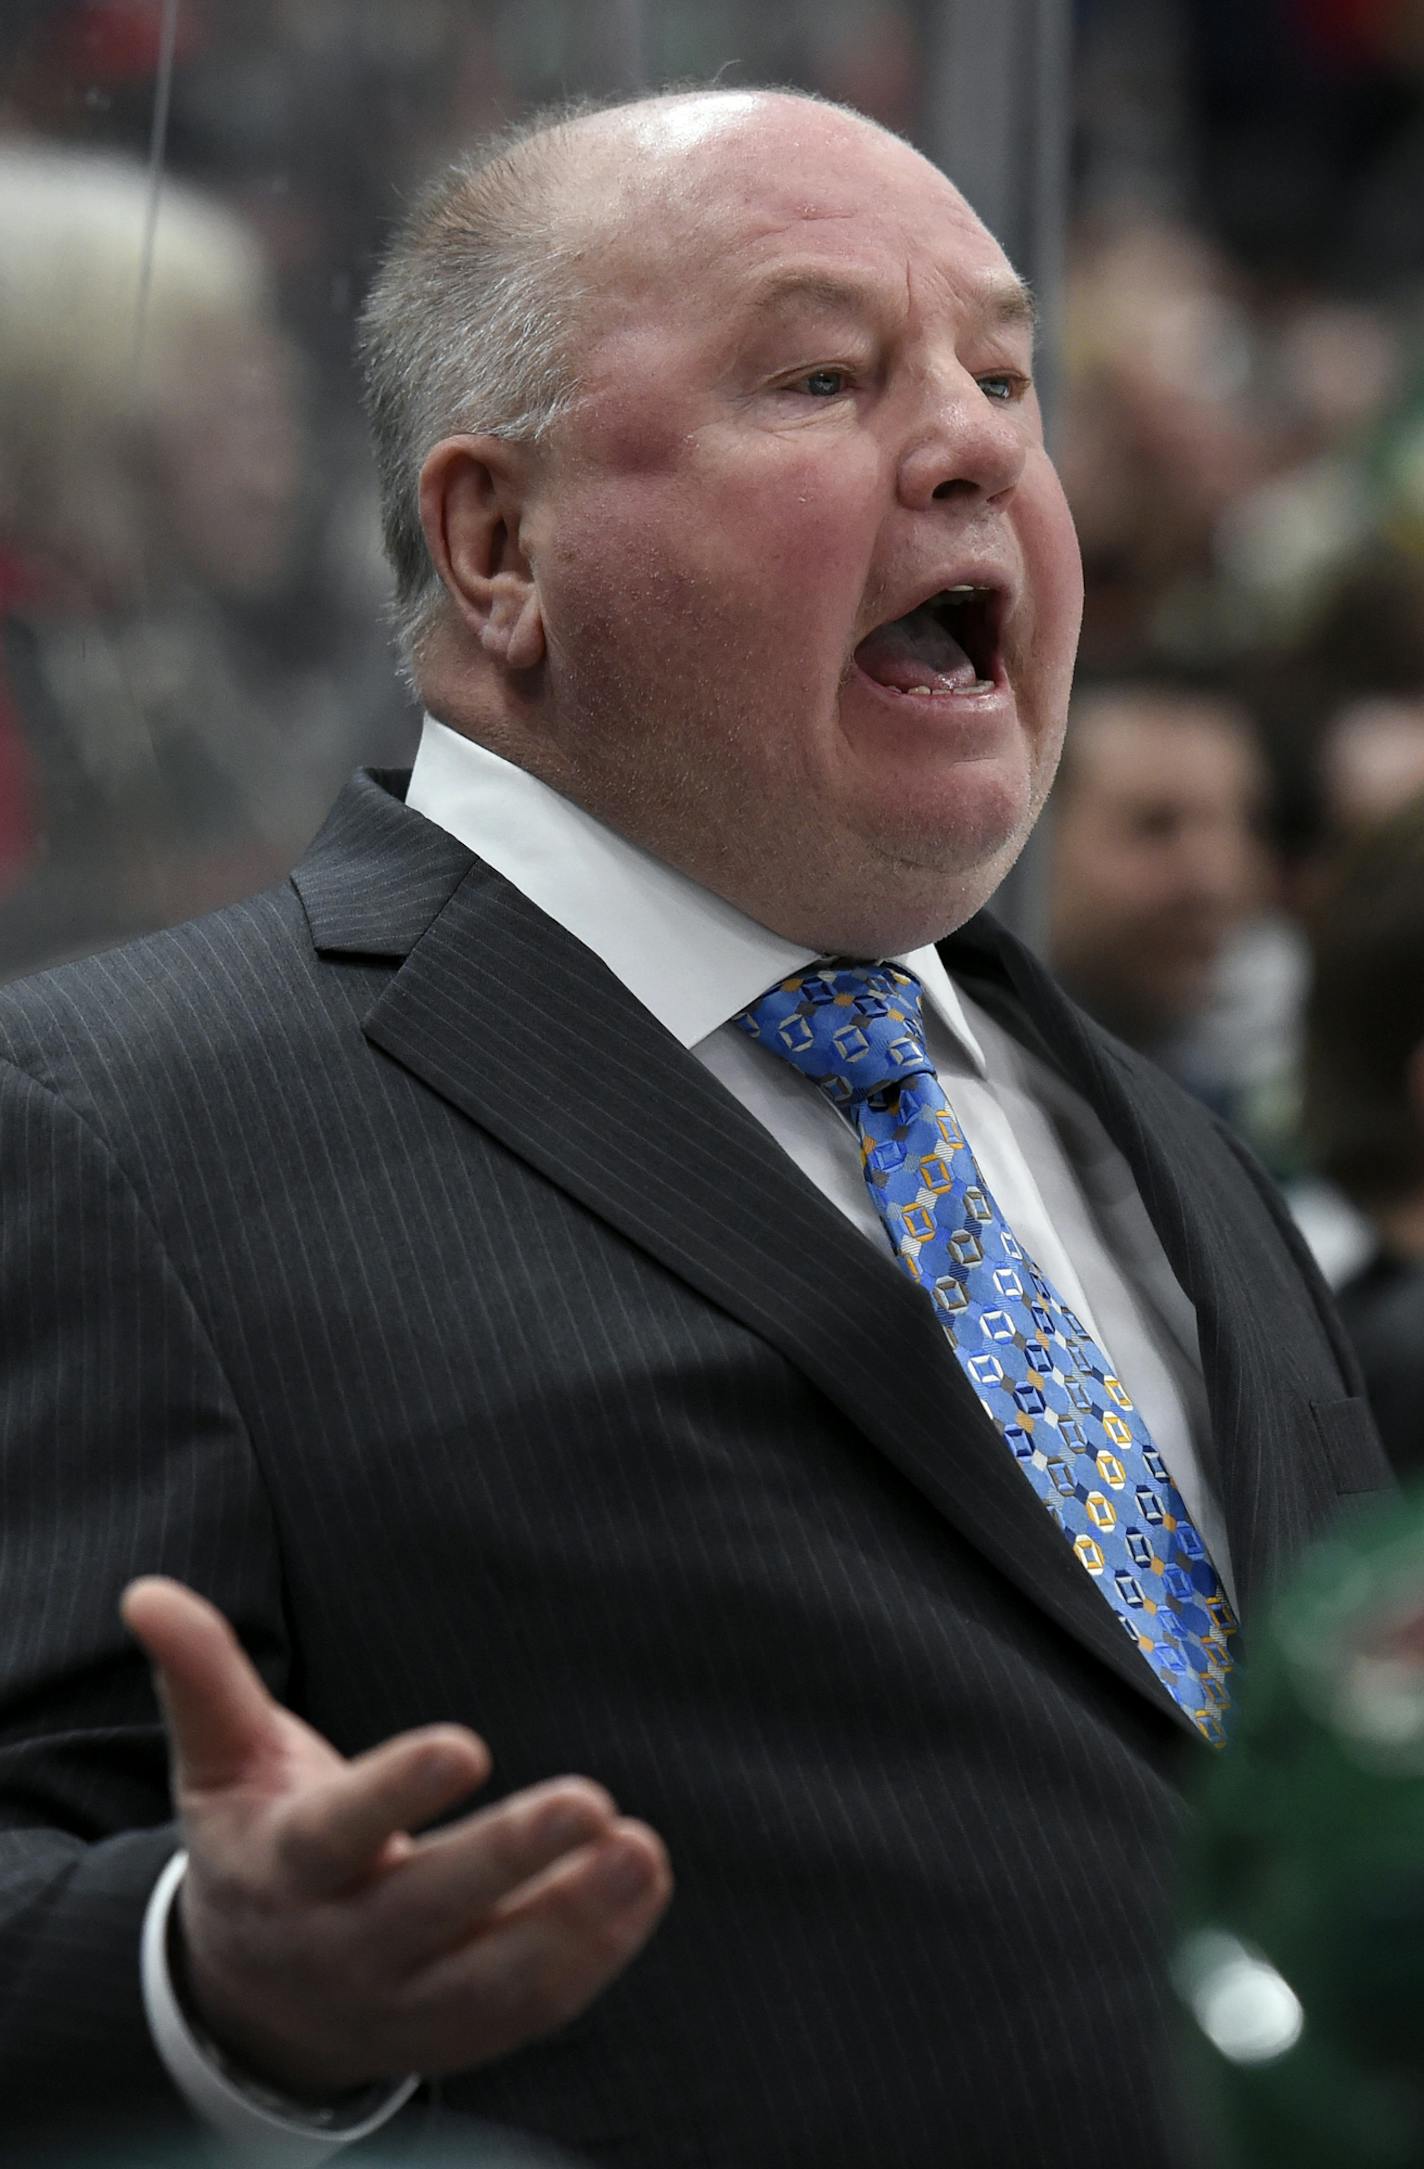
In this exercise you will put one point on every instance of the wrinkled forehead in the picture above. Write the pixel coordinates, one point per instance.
(697, 196)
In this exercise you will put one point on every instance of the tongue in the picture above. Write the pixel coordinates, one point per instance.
(915, 652)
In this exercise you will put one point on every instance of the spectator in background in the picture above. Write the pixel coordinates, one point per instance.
(1155, 862)
(151, 470)
(1367, 761)
(1341, 709)
(1364, 1105)
(1161, 433)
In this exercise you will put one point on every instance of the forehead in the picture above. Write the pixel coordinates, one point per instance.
(1163, 745)
(724, 203)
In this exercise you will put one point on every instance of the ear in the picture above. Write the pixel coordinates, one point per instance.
(472, 500)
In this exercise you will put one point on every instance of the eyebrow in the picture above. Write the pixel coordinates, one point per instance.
(1011, 302)
(1006, 303)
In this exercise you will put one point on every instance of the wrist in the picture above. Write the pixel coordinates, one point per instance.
(246, 2068)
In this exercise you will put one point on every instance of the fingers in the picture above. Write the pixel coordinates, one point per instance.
(220, 1716)
(451, 1882)
(546, 1956)
(229, 1737)
(333, 1834)
(330, 1944)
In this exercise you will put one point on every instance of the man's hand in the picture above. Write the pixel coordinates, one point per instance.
(328, 1945)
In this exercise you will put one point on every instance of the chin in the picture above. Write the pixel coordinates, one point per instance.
(907, 908)
(929, 884)
(968, 814)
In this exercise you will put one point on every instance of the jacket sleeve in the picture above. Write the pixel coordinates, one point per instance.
(122, 1451)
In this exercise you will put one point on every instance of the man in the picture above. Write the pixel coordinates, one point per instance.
(437, 1264)
(1155, 862)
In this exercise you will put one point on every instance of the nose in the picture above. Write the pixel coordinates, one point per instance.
(965, 445)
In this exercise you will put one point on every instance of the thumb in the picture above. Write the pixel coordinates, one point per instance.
(221, 1719)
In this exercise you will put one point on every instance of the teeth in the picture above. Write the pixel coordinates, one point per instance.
(941, 692)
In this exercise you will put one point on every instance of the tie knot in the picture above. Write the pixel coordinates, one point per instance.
(854, 1029)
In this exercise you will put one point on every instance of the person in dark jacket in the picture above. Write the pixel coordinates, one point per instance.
(623, 1251)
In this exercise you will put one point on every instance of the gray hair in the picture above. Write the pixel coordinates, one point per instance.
(465, 329)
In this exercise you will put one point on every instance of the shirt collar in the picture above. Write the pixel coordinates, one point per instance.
(688, 956)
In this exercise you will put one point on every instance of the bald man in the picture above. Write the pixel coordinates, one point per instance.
(621, 1257)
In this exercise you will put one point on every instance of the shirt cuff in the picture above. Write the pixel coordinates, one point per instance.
(241, 2111)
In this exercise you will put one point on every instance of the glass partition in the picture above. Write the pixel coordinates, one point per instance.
(192, 647)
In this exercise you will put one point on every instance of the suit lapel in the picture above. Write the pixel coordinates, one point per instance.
(512, 1020)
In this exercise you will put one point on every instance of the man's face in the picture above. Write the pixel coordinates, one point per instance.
(1155, 858)
(809, 585)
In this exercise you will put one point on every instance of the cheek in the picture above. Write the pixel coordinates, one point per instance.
(808, 516)
(772, 522)
(1055, 562)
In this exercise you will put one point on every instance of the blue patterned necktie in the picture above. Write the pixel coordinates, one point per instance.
(855, 1030)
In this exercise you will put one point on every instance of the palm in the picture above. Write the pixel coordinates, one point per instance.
(326, 1943)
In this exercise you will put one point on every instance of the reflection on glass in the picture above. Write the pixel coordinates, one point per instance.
(192, 646)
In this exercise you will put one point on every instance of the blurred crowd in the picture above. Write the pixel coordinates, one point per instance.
(192, 651)
(1235, 880)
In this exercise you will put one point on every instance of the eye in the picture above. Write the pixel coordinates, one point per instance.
(823, 383)
(1004, 386)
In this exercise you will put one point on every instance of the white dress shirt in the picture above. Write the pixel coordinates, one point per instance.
(695, 962)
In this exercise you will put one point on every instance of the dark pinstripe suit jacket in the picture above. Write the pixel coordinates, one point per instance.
(374, 1262)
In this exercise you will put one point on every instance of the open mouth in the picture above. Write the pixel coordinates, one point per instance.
(946, 645)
